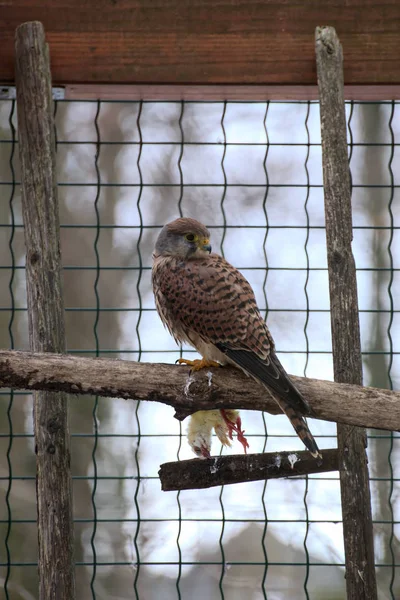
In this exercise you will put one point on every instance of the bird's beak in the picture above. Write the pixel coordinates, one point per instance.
(206, 246)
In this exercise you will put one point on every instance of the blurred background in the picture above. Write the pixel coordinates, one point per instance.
(252, 173)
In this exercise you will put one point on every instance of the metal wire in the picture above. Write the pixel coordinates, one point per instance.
(123, 491)
(264, 288)
(96, 338)
(137, 461)
(306, 322)
(10, 332)
(390, 338)
(180, 212)
(220, 498)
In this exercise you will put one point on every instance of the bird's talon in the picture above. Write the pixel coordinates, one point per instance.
(197, 363)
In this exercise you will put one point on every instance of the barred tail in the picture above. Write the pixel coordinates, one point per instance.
(301, 428)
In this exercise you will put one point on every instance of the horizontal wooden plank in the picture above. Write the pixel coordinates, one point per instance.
(224, 42)
(209, 93)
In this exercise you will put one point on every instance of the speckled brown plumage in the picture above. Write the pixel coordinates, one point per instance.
(204, 301)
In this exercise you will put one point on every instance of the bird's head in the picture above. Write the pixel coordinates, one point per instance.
(184, 239)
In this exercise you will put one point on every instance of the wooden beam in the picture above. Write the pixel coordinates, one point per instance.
(210, 93)
(45, 309)
(171, 384)
(346, 343)
(238, 42)
(238, 468)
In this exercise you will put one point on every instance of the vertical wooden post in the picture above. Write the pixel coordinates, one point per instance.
(352, 441)
(45, 309)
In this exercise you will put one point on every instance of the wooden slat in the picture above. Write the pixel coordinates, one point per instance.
(209, 93)
(237, 42)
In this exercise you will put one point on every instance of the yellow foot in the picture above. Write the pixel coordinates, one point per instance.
(198, 364)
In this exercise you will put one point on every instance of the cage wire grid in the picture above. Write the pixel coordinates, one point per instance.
(252, 172)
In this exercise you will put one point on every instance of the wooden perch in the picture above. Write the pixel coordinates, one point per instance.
(170, 384)
(223, 470)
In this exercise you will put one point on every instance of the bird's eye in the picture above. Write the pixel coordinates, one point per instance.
(190, 237)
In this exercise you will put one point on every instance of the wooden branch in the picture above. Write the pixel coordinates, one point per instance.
(200, 473)
(171, 384)
(45, 309)
(346, 344)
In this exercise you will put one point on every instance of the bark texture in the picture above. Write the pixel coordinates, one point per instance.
(45, 309)
(200, 473)
(171, 384)
(346, 345)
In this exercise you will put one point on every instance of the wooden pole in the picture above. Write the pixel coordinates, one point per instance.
(45, 309)
(346, 345)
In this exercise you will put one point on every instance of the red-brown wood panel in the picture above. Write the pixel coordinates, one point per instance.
(206, 41)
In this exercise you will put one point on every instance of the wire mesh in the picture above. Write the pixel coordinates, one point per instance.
(252, 173)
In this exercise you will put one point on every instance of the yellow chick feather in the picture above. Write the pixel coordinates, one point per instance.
(224, 422)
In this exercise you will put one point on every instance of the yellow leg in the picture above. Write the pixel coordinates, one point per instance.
(198, 364)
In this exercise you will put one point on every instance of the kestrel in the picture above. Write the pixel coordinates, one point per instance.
(206, 302)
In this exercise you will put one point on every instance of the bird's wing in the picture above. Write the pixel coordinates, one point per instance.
(270, 372)
(215, 301)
